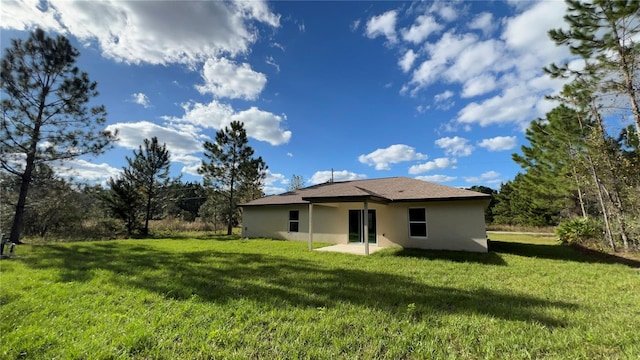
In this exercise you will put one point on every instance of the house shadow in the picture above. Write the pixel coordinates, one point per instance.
(490, 258)
(559, 252)
(276, 281)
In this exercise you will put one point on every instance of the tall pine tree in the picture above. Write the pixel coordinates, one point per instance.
(605, 34)
(45, 110)
(232, 171)
(149, 169)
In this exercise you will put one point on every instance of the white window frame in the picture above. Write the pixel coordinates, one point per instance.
(426, 228)
(291, 221)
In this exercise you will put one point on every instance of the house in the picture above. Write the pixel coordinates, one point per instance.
(400, 212)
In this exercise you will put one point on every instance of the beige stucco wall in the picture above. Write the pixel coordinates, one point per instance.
(451, 225)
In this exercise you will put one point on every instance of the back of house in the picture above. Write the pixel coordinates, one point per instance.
(396, 211)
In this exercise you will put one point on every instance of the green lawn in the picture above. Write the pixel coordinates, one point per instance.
(220, 298)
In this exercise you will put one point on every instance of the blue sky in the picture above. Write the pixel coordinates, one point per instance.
(439, 91)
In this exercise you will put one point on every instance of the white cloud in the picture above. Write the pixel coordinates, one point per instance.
(455, 146)
(484, 22)
(272, 179)
(260, 125)
(511, 63)
(141, 99)
(383, 25)
(499, 143)
(343, 175)
(132, 135)
(424, 26)
(271, 61)
(226, 79)
(443, 100)
(441, 54)
(444, 9)
(478, 85)
(381, 158)
(527, 33)
(443, 96)
(436, 164)
(407, 60)
(475, 59)
(485, 177)
(514, 105)
(84, 170)
(155, 32)
(436, 178)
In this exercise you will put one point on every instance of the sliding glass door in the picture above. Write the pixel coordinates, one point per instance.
(356, 226)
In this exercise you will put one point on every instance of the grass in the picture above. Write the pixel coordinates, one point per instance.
(232, 298)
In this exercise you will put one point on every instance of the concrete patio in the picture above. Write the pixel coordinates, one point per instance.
(354, 248)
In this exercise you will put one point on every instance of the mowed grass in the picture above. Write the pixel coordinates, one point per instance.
(229, 298)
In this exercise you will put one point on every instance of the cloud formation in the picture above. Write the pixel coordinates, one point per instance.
(499, 143)
(436, 164)
(382, 158)
(455, 146)
(320, 177)
(130, 31)
(225, 79)
(141, 99)
(383, 25)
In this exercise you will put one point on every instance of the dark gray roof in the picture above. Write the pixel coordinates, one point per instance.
(395, 189)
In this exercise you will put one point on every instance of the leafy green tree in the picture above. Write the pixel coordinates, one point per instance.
(232, 171)
(45, 111)
(149, 169)
(605, 34)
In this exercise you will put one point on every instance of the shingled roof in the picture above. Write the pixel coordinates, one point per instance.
(385, 190)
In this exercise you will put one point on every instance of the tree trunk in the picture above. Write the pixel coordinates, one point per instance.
(147, 216)
(230, 215)
(627, 70)
(14, 237)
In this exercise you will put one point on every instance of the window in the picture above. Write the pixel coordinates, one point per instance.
(418, 222)
(294, 220)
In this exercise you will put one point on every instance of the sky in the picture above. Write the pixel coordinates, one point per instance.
(438, 91)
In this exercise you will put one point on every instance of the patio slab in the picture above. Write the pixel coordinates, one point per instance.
(355, 249)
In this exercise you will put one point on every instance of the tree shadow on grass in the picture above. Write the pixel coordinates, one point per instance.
(453, 256)
(559, 252)
(278, 281)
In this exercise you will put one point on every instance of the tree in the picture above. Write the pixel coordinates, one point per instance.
(605, 34)
(488, 211)
(149, 169)
(552, 159)
(45, 111)
(232, 171)
(124, 201)
(53, 205)
(297, 182)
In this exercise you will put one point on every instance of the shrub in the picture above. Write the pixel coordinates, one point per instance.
(577, 230)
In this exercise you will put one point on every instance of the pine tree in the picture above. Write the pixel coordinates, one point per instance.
(149, 169)
(605, 34)
(232, 171)
(45, 110)
(551, 161)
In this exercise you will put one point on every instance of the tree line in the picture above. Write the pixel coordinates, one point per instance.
(47, 118)
(581, 169)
